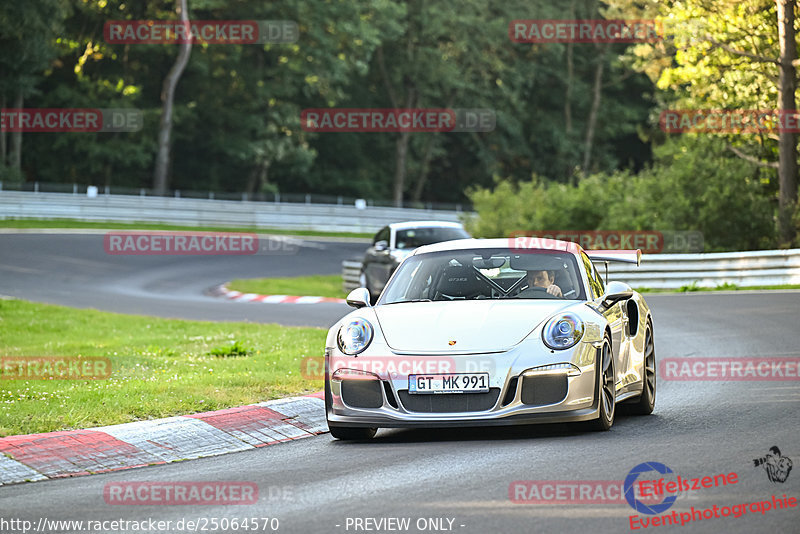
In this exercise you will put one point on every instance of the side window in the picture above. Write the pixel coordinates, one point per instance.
(595, 285)
(599, 280)
(382, 235)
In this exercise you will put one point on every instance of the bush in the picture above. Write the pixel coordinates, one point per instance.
(695, 185)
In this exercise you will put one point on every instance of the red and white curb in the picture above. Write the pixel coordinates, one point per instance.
(111, 448)
(223, 291)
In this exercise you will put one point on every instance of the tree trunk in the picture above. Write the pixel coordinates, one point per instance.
(423, 172)
(569, 171)
(2, 136)
(426, 159)
(592, 124)
(401, 154)
(168, 97)
(16, 137)
(258, 178)
(787, 143)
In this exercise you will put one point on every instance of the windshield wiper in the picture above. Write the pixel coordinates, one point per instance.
(412, 300)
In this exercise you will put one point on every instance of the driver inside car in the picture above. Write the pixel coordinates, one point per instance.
(545, 280)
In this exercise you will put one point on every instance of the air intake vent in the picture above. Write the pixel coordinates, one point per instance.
(543, 390)
(450, 402)
(362, 393)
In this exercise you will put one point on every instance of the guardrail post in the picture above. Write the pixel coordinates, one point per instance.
(211, 195)
(74, 189)
(244, 197)
(1, 185)
(277, 198)
(106, 190)
(177, 193)
(141, 192)
(35, 187)
(308, 198)
(339, 200)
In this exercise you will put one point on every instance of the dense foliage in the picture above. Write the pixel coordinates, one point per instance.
(237, 108)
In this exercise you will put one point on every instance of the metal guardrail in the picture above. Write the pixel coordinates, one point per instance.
(351, 270)
(744, 269)
(673, 271)
(276, 197)
(205, 212)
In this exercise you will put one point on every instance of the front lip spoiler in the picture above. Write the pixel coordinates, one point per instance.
(584, 414)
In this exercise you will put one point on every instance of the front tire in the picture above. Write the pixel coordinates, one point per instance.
(352, 433)
(607, 391)
(647, 400)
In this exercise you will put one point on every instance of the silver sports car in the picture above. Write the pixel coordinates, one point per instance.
(491, 332)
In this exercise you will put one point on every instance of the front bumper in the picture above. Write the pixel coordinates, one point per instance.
(521, 392)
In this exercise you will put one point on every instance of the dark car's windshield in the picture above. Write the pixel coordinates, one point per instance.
(486, 274)
(417, 237)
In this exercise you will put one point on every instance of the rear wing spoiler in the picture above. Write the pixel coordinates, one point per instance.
(624, 256)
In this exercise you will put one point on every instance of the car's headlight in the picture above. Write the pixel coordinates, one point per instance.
(355, 336)
(563, 331)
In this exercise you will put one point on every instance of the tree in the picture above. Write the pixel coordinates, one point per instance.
(27, 34)
(729, 54)
(168, 98)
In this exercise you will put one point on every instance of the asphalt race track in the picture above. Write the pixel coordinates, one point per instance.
(319, 485)
(75, 270)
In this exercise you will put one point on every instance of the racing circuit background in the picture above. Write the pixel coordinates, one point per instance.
(304, 125)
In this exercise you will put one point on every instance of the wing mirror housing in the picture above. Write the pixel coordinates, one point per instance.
(358, 298)
(381, 245)
(615, 292)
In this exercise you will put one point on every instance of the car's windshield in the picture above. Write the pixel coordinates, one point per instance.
(485, 274)
(417, 237)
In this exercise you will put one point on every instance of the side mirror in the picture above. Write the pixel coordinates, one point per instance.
(615, 292)
(381, 245)
(358, 298)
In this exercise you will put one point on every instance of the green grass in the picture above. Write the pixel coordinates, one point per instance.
(160, 367)
(69, 223)
(312, 286)
(691, 288)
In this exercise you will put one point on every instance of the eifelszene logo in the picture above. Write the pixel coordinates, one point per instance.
(777, 467)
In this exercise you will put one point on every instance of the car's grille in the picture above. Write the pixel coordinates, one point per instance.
(450, 402)
(542, 390)
(362, 393)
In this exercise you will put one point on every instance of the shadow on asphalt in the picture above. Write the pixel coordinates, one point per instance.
(623, 423)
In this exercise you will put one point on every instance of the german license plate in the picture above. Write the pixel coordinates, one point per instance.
(449, 383)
